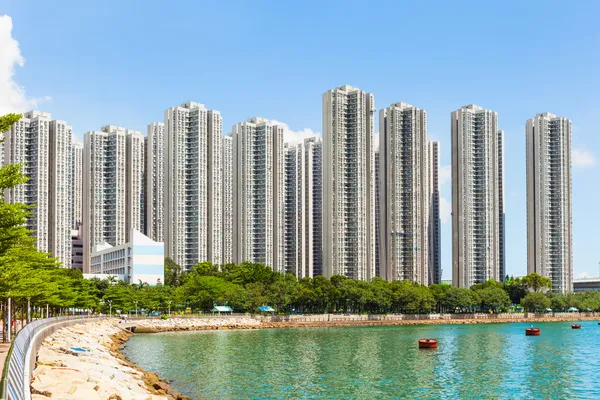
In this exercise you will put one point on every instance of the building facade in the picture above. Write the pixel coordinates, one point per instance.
(155, 162)
(227, 149)
(77, 183)
(377, 214)
(549, 200)
(141, 259)
(43, 147)
(193, 206)
(477, 196)
(77, 249)
(348, 183)
(435, 233)
(60, 191)
(406, 192)
(303, 210)
(313, 194)
(295, 214)
(258, 193)
(135, 183)
(104, 191)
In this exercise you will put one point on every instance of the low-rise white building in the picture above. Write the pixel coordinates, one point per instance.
(139, 260)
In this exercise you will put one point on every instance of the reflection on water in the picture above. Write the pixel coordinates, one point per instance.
(471, 362)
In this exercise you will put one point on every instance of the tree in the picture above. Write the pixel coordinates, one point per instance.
(515, 288)
(461, 298)
(174, 274)
(493, 297)
(535, 301)
(536, 283)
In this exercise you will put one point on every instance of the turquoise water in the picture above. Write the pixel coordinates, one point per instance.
(472, 362)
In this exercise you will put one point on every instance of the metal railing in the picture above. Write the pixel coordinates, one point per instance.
(20, 361)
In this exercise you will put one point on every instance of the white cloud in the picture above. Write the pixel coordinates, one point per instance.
(294, 137)
(445, 210)
(445, 175)
(583, 158)
(12, 96)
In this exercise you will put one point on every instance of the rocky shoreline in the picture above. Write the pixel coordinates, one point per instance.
(215, 323)
(84, 362)
(176, 324)
(411, 322)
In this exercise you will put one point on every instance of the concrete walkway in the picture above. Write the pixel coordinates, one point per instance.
(3, 353)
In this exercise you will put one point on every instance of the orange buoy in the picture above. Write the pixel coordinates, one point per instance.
(575, 326)
(532, 332)
(427, 344)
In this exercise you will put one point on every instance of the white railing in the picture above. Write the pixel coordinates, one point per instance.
(20, 362)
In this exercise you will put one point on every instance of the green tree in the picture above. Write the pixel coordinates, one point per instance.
(536, 283)
(493, 297)
(174, 274)
(535, 301)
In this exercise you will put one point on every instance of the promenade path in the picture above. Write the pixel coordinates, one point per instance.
(3, 353)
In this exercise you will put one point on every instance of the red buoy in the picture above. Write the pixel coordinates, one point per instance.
(427, 344)
(575, 326)
(532, 332)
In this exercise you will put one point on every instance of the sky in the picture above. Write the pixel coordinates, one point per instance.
(93, 63)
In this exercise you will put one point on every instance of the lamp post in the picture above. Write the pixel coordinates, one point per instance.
(169, 303)
(136, 303)
(110, 308)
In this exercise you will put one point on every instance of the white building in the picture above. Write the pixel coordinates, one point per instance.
(139, 260)
(435, 234)
(77, 183)
(134, 183)
(303, 198)
(109, 205)
(549, 204)
(477, 196)
(377, 214)
(193, 168)
(296, 250)
(43, 147)
(348, 183)
(406, 186)
(258, 193)
(155, 162)
(227, 199)
(313, 194)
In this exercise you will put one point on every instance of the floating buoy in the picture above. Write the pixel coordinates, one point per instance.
(532, 332)
(427, 344)
(575, 326)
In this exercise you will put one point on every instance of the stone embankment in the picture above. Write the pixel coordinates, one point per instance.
(400, 322)
(194, 324)
(84, 362)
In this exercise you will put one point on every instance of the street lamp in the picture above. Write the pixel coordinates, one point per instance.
(110, 308)
(136, 303)
(169, 303)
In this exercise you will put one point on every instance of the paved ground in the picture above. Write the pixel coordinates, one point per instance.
(3, 352)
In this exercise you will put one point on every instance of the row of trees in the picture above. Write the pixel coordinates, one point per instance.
(246, 286)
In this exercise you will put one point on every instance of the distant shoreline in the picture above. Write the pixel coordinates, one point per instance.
(244, 323)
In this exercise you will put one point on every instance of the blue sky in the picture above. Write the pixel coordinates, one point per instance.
(124, 62)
